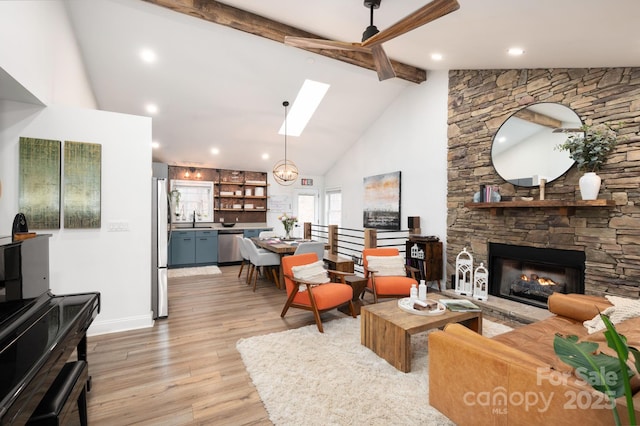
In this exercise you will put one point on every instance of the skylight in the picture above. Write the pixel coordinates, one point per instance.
(307, 100)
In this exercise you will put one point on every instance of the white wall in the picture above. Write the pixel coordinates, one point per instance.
(117, 264)
(410, 136)
(277, 191)
(38, 49)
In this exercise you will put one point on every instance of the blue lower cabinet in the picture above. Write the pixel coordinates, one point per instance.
(250, 233)
(193, 248)
(183, 248)
(206, 247)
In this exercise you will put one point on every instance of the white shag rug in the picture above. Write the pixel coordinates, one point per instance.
(198, 270)
(312, 378)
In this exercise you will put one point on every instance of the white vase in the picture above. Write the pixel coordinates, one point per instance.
(589, 186)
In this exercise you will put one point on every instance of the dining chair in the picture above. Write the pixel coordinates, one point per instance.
(386, 273)
(309, 287)
(316, 247)
(245, 249)
(262, 259)
(264, 235)
(244, 252)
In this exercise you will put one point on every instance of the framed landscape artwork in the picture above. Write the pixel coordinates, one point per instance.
(382, 201)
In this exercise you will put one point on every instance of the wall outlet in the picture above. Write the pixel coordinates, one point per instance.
(118, 226)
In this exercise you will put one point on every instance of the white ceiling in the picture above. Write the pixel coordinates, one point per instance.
(219, 87)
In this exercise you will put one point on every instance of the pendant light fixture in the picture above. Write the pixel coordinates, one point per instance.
(285, 171)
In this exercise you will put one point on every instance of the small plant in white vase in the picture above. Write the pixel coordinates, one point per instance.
(175, 198)
(590, 149)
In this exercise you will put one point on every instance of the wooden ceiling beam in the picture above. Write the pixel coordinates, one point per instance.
(222, 14)
(538, 118)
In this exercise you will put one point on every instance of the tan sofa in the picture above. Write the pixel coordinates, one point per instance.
(516, 378)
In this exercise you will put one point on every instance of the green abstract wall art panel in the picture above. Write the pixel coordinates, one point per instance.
(82, 180)
(39, 182)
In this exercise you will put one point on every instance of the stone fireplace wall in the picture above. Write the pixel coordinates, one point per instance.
(479, 102)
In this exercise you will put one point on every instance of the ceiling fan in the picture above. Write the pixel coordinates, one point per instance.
(372, 39)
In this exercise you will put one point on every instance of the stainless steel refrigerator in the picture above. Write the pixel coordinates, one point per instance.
(160, 235)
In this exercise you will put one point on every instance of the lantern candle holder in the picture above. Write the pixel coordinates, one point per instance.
(464, 273)
(481, 283)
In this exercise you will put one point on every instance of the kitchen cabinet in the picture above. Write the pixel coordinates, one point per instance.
(193, 247)
(183, 248)
(251, 233)
(206, 247)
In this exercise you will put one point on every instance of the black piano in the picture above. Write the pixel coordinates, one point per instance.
(39, 331)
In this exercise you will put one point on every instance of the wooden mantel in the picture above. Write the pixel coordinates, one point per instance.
(222, 14)
(565, 208)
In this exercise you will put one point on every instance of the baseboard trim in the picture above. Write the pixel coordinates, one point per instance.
(121, 324)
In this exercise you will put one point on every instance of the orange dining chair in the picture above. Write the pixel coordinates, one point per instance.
(309, 286)
(386, 273)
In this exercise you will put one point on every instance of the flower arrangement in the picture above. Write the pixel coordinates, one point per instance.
(591, 147)
(288, 222)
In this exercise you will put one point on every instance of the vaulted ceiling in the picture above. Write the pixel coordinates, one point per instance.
(220, 87)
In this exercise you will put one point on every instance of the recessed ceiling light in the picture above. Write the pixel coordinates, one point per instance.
(155, 145)
(502, 139)
(148, 56)
(265, 156)
(151, 108)
(515, 51)
(215, 151)
(436, 56)
(307, 100)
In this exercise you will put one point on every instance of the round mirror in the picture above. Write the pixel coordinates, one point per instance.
(523, 149)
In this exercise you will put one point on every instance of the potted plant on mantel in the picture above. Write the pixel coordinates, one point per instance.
(590, 149)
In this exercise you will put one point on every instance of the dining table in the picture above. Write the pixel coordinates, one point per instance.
(282, 248)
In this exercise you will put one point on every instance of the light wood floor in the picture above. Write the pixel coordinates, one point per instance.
(186, 369)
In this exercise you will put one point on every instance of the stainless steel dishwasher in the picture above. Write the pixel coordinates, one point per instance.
(228, 247)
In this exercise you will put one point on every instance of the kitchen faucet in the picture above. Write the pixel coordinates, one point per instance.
(193, 225)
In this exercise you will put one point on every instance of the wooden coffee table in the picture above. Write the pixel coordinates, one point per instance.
(387, 330)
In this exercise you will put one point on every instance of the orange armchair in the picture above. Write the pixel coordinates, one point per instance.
(316, 297)
(382, 285)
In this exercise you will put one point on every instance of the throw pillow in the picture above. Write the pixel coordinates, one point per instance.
(386, 266)
(622, 309)
(311, 272)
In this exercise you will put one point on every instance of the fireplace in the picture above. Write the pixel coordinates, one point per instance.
(530, 275)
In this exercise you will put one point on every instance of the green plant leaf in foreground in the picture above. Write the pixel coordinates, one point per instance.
(615, 341)
(618, 342)
(599, 370)
(636, 357)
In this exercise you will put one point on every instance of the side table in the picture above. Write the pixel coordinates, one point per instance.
(357, 284)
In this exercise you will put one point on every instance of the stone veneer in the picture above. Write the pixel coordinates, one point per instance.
(479, 102)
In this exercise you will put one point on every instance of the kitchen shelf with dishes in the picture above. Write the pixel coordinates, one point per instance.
(565, 208)
(238, 196)
(241, 191)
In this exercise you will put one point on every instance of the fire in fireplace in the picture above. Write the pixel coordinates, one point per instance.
(535, 287)
(530, 275)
